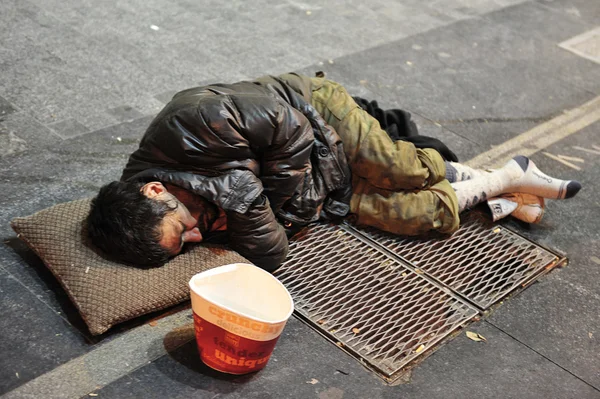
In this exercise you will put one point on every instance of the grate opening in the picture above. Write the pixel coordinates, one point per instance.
(387, 299)
(366, 301)
(481, 262)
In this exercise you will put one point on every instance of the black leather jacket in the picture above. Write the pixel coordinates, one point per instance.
(258, 150)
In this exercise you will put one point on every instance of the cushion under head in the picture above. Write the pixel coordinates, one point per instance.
(106, 292)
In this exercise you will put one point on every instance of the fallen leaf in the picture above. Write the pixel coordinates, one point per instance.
(403, 274)
(332, 330)
(418, 271)
(497, 230)
(322, 321)
(355, 330)
(420, 348)
(313, 381)
(363, 82)
(590, 335)
(152, 323)
(340, 344)
(476, 337)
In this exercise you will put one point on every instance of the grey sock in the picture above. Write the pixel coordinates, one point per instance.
(451, 172)
(456, 172)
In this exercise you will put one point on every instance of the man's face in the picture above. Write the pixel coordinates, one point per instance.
(178, 226)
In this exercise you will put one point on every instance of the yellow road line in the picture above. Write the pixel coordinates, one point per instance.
(541, 136)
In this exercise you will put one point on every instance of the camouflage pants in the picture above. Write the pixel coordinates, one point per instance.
(396, 187)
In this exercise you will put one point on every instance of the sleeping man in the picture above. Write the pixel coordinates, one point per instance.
(255, 161)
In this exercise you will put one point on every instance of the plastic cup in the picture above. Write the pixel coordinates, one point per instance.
(239, 313)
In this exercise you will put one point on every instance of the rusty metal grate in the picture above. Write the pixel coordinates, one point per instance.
(481, 261)
(369, 303)
(387, 299)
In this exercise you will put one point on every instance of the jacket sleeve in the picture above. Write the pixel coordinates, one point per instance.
(257, 236)
(286, 161)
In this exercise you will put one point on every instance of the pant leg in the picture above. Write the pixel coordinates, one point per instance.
(371, 153)
(405, 212)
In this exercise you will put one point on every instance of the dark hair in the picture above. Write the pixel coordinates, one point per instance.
(124, 223)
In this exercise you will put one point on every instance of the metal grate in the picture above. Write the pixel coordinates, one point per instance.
(387, 299)
(481, 261)
(369, 303)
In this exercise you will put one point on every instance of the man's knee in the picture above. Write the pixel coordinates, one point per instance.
(406, 212)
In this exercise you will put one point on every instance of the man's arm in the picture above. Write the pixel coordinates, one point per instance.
(257, 236)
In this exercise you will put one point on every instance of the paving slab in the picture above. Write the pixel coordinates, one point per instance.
(538, 20)
(478, 77)
(76, 60)
(25, 267)
(79, 167)
(306, 366)
(10, 143)
(68, 128)
(38, 338)
(570, 222)
(5, 108)
(558, 316)
(60, 173)
(559, 320)
(572, 149)
(23, 128)
(498, 368)
(584, 10)
(44, 327)
(300, 356)
(485, 98)
(125, 113)
(352, 79)
(97, 65)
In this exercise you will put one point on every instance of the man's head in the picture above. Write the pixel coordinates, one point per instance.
(141, 224)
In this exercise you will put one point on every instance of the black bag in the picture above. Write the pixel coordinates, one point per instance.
(399, 126)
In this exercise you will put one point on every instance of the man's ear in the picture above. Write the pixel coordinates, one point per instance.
(153, 189)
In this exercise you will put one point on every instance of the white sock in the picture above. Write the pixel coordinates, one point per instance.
(456, 172)
(519, 175)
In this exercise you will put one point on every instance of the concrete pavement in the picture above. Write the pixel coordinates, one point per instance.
(77, 75)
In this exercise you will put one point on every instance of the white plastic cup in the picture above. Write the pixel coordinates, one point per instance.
(239, 313)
